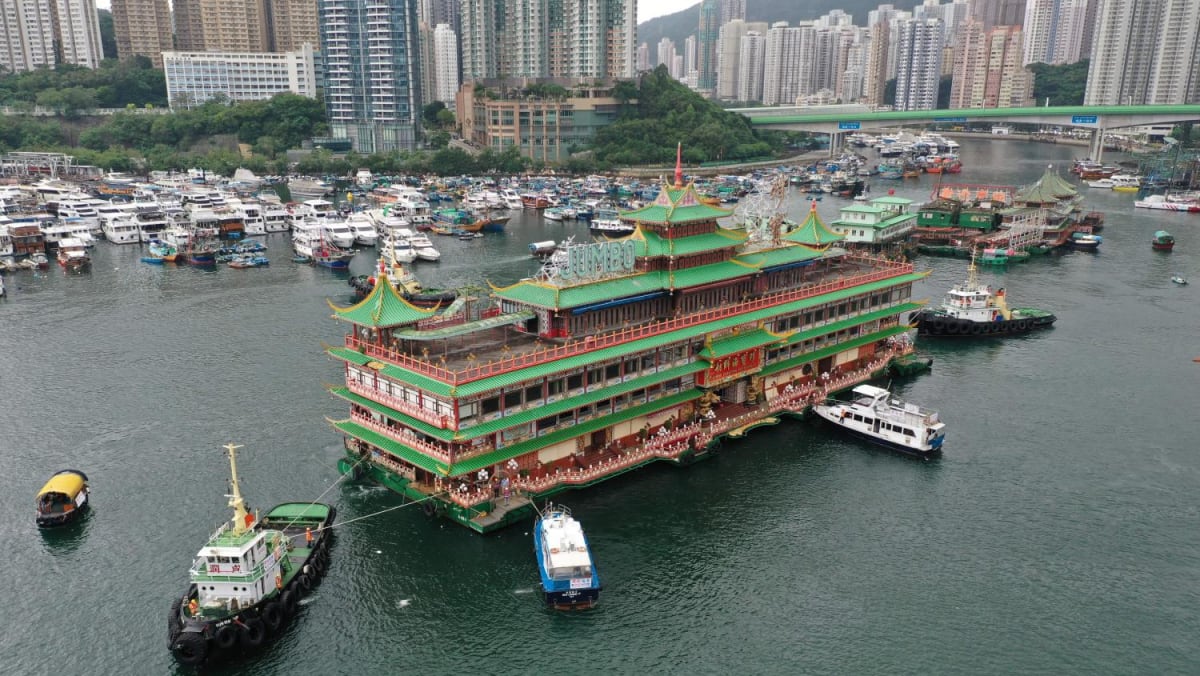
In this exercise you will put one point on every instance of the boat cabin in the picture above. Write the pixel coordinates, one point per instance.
(62, 499)
(234, 571)
(564, 549)
(882, 221)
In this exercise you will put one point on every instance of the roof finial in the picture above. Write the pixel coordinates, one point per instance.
(679, 165)
(814, 206)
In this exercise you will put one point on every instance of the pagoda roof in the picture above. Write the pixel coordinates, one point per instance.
(382, 308)
(652, 244)
(1049, 188)
(813, 232)
(891, 199)
(737, 342)
(769, 258)
(676, 205)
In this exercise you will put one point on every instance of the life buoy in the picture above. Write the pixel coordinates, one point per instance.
(226, 637)
(253, 632)
(279, 580)
(190, 648)
(272, 616)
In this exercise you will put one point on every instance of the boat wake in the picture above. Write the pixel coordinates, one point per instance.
(524, 591)
(403, 603)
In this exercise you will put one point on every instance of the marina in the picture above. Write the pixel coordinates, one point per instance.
(1056, 521)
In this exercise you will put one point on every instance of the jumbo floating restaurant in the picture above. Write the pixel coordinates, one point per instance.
(631, 351)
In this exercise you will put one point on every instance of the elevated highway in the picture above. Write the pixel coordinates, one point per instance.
(837, 121)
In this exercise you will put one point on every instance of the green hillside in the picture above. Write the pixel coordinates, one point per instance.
(681, 24)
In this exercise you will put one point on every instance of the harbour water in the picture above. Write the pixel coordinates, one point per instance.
(1058, 534)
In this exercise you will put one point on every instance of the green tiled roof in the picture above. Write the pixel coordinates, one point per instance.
(1049, 188)
(437, 387)
(541, 294)
(742, 341)
(383, 307)
(392, 446)
(503, 454)
(790, 253)
(812, 232)
(466, 327)
(885, 223)
(891, 199)
(862, 209)
(651, 244)
(827, 351)
(676, 205)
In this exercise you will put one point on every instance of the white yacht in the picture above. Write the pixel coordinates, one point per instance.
(422, 247)
(396, 246)
(6, 243)
(412, 205)
(877, 416)
(204, 222)
(152, 221)
(68, 228)
(363, 228)
(276, 218)
(253, 220)
(338, 233)
(511, 199)
(120, 228)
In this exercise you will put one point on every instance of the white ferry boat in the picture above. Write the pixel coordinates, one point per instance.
(875, 415)
(569, 577)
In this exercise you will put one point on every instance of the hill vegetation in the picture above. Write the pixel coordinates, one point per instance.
(665, 113)
(1063, 85)
(71, 89)
(680, 25)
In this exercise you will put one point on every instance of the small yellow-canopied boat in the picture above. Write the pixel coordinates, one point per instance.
(63, 499)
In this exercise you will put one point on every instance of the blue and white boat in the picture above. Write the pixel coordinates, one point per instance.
(569, 577)
(875, 415)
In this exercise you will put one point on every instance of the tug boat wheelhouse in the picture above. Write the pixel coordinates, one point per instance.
(615, 355)
(875, 415)
(972, 309)
(569, 577)
(248, 579)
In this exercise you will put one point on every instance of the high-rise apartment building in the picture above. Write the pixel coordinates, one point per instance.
(729, 50)
(143, 28)
(988, 68)
(480, 53)
(445, 64)
(706, 45)
(195, 77)
(875, 75)
(993, 13)
(784, 61)
(1054, 30)
(918, 64)
(730, 10)
(643, 57)
(372, 85)
(221, 26)
(291, 24)
(751, 62)
(1123, 51)
(77, 32)
(1175, 75)
(527, 38)
(26, 35)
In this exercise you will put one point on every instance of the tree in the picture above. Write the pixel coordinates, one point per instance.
(445, 119)
(1062, 85)
(108, 37)
(430, 111)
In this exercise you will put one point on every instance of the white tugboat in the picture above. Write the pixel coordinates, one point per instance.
(875, 415)
(247, 580)
(972, 309)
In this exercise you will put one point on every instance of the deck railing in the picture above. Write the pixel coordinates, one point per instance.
(401, 405)
(407, 439)
(592, 343)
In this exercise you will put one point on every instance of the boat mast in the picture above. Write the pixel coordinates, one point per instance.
(241, 518)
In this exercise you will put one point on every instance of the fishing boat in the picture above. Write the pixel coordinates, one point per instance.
(247, 580)
(1163, 241)
(972, 309)
(569, 577)
(877, 416)
(248, 261)
(73, 255)
(63, 499)
(159, 252)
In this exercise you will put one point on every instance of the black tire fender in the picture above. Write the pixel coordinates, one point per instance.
(226, 637)
(190, 648)
(272, 616)
(253, 632)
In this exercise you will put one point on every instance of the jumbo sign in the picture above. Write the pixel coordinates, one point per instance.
(601, 259)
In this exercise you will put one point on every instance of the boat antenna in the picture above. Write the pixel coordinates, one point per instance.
(241, 518)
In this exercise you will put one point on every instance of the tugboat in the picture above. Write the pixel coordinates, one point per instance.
(404, 282)
(971, 309)
(63, 499)
(569, 577)
(247, 580)
(875, 415)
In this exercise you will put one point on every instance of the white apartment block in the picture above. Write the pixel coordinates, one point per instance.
(26, 35)
(445, 61)
(751, 62)
(77, 29)
(527, 38)
(480, 51)
(918, 64)
(196, 77)
(729, 50)
(1126, 39)
(1054, 30)
(787, 62)
(1175, 75)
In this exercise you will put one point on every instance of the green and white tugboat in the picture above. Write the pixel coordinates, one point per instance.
(247, 580)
